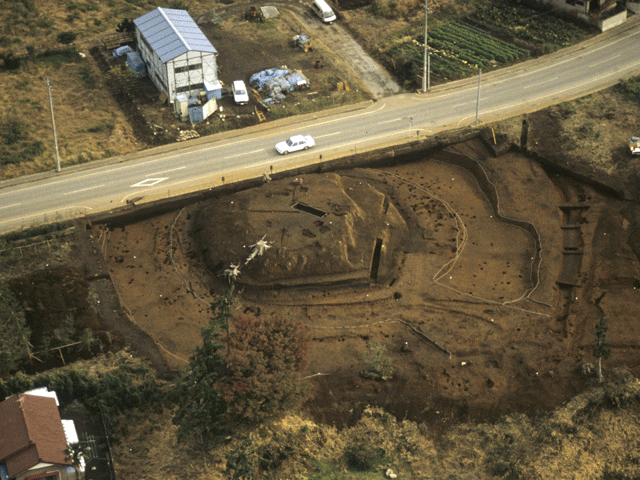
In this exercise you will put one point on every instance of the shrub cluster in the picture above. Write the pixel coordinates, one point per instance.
(239, 378)
(111, 393)
(294, 448)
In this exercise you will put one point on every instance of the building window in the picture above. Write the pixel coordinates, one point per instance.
(188, 88)
(188, 68)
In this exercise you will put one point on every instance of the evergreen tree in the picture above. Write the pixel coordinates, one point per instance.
(200, 404)
(256, 377)
(601, 349)
(14, 340)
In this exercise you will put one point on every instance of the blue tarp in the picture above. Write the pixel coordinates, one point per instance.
(122, 51)
(136, 64)
(300, 40)
(275, 81)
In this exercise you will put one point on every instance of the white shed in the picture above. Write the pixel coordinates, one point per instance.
(179, 57)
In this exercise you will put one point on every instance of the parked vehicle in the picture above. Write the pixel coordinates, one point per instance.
(324, 11)
(634, 145)
(295, 143)
(240, 95)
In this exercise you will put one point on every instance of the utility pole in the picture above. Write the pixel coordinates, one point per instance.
(426, 50)
(478, 100)
(428, 72)
(53, 124)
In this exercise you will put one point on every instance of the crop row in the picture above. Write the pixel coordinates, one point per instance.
(407, 61)
(473, 47)
(516, 21)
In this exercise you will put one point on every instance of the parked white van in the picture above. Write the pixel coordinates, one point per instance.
(240, 95)
(324, 11)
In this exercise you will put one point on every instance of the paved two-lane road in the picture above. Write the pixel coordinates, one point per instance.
(209, 162)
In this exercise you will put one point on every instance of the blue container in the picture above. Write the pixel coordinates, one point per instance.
(195, 114)
(136, 64)
(122, 51)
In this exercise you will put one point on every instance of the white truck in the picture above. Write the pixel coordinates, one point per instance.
(634, 145)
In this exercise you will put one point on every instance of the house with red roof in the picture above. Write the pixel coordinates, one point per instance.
(32, 440)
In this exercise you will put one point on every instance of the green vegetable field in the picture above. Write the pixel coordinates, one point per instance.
(457, 51)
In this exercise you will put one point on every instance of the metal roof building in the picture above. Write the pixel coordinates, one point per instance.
(178, 56)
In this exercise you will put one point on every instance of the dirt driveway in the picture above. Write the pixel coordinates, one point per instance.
(339, 41)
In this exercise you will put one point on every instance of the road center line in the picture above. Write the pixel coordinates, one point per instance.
(12, 205)
(535, 85)
(329, 135)
(380, 108)
(603, 61)
(165, 171)
(390, 121)
(252, 151)
(83, 189)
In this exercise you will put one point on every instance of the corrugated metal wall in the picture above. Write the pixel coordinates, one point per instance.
(179, 58)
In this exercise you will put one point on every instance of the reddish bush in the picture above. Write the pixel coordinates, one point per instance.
(264, 359)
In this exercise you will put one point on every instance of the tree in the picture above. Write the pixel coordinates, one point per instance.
(126, 26)
(76, 452)
(601, 349)
(14, 341)
(200, 404)
(256, 378)
(266, 356)
(67, 37)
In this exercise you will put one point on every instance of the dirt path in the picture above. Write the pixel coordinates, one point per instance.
(339, 41)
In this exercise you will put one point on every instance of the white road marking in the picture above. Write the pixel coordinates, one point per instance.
(390, 121)
(329, 135)
(541, 83)
(149, 182)
(83, 189)
(251, 152)
(12, 205)
(167, 171)
(352, 116)
(603, 61)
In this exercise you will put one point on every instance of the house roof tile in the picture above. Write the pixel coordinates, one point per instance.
(32, 433)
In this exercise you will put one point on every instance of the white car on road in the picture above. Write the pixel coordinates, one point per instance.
(295, 143)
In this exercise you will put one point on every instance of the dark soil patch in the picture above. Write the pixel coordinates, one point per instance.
(64, 326)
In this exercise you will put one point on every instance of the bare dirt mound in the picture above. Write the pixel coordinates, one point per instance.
(319, 229)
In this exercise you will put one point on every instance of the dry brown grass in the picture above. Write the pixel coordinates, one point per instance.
(398, 18)
(593, 436)
(77, 112)
(90, 124)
